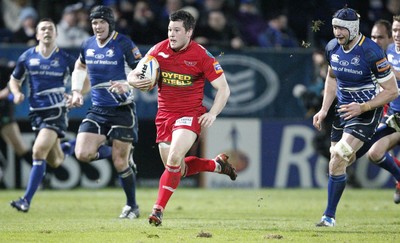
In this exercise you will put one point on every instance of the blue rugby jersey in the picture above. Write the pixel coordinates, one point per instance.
(358, 70)
(394, 60)
(47, 76)
(109, 62)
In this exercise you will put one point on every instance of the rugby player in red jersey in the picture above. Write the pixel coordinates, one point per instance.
(185, 66)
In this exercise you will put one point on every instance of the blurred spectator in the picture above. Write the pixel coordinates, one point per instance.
(277, 34)
(27, 33)
(70, 35)
(10, 13)
(381, 33)
(169, 7)
(218, 32)
(144, 28)
(250, 22)
(392, 8)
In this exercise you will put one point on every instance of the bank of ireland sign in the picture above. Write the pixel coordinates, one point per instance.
(253, 84)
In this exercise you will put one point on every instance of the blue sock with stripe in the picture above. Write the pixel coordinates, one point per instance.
(336, 185)
(35, 178)
(388, 164)
(128, 182)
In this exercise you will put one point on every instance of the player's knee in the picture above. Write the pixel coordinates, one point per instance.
(175, 159)
(84, 156)
(374, 155)
(344, 151)
(342, 155)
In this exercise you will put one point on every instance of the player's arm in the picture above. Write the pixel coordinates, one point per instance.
(389, 91)
(221, 97)
(328, 98)
(15, 88)
(78, 80)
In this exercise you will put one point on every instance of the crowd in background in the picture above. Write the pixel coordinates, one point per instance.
(229, 24)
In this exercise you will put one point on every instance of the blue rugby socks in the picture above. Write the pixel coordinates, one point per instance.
(336, 185)
(35, 178)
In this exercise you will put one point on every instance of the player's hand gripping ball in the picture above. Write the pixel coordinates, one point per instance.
(149, 68)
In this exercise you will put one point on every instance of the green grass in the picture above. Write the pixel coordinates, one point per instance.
(200, 215)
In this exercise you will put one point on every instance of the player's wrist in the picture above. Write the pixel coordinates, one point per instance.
(365, 107)
(78, 79)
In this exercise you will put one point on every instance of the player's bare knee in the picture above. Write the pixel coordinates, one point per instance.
(174, 159)
(374, 156)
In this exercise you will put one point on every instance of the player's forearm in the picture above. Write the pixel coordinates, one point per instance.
(329, 93)
(14, 86)
(221, 98)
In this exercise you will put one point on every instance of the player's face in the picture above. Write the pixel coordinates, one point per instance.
(46, 32)
(100, 29)
(178, 36)
(396, 33)
(380, 36)
(341, 34)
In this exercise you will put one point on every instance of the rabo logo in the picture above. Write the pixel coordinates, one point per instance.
(253, 84)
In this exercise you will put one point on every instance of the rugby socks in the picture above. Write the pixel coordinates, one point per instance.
(169, 181)
(336, 185)
(388, 164)
(194, 165)
(104, 152)
(68, 148)
(128, 182)
(35, 178)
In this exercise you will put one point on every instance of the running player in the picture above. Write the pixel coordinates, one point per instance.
(103, 57)
(46, 67)
(355, 64)
(185, 65)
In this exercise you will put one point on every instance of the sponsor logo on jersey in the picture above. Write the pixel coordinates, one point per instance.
(335, 58)
(217, 67)
(44, 67)
(176, 79)
(99, 56)
(184, 121)
(90, 52)
(344, 63)
(34, 62)
(382, 65)
(163, 54)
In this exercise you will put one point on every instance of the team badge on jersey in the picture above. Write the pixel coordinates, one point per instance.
(217, 67)
(382, 65)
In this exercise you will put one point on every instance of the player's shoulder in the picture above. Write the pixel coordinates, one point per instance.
(371, 49)
(332, 45)
(199, 50)
(29, 52)
(391, 47)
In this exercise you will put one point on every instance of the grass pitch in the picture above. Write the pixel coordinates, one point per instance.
(201, 215)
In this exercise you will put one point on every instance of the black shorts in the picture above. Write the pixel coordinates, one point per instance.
(6, 112)
(54, 119)
(362, 127)
(115, 122)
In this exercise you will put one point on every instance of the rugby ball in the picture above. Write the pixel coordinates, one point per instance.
(149, 68)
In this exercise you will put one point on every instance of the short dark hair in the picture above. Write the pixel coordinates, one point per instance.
(181, 15)
(46, 20)
(386, 24)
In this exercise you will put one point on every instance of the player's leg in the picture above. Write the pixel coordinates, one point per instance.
(127, 177)
(89, 145)
(182, 141)
(12, 136)
(342, 153)
(41, 148)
